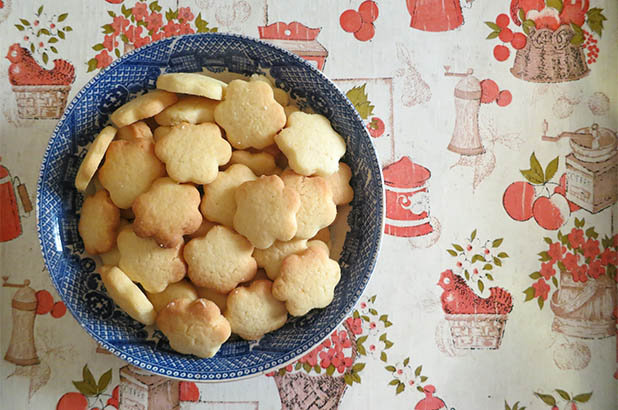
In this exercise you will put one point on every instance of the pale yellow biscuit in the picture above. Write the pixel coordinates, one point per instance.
(97, 184)
(261, 163)
(191, 109)
(253, 311)
(220, 260)
(129, 169)
(249, 114)
(202, 230)
(280, 96)
(311, 145)
(127, 295)
(179, 290)
(112, 257)
(270, 259)
(144, 261)
(317, 209)
(339, 184)
(219, 202)
(193, 153)
(167, 211)
(319, 244)
(220, 299)
(93, 158)
(143, 106)
(196, 327)
(307, 281)
(192, 83)
(266, 211)
(98, 223)
(160, 132)
(134, 131)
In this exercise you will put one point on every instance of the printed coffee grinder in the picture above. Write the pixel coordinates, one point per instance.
(592, 166)
(21, 349)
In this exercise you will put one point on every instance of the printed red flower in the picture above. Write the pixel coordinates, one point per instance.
(596, 269)
(326, 343)
(157, 36)
(103, 59)
(616, 241)
(154, 21)
(40, 44)
(140, 10)
(110, 42)
(141, 41)
(119, 24)
(556, 250)
(326, 358)
(270, 374)
(185, 28)
(129, 32)
(591, 248)
(547, 271)
(363, 305)
(184, 14)
(541, 289)
(576, 238)
(570, 261)
(355, 324)
(609, 257)
(580, 274)
(171, 29)
(475, 271)
(372, 348)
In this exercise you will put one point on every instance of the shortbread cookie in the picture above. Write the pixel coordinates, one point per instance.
(253, 311)
(261, 163)
(196, 327)
(144, 261)
(220, 260)
(307, 281)
(167, 211)
(311, 145)
(266, 211)
(202, 230)
(270, 259)
(127, 295)
(320, 244)
(191, 109)
(179, 290)
(317, 209)
(160, 132)
(192, 83)
(135, 131)
(112, 257)
(193, 153)
(219, 202)
(129, 169)
(249, 114)
(98, 223)
(339, 184)
(280, 96)
(220, 299)
(144, 106)
(93, 158)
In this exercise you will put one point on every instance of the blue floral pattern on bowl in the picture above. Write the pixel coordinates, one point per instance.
(58, 203)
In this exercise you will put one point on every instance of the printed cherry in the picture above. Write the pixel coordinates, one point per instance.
(72, 401)
(489, 91)
(518, 200)
(350, 21)
(58, 310)
(44, 302)
(506, 35)
(504, 98)
(551, 212)
(501, 52)
(376, 127)
(366, 32)
(503, 20)
(519, 41)
(368, 10)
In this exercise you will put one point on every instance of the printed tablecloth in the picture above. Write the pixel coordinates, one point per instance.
(495, 124)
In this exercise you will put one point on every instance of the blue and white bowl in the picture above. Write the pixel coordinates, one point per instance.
(58, 204)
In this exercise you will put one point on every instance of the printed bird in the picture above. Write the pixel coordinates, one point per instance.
(24, 70)
(458, 297)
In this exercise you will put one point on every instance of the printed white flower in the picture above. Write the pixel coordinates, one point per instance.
(373, 346)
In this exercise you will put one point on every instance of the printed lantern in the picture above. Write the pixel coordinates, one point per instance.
(407, 199)
(296, 38)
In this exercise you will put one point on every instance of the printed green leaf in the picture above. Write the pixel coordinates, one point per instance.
(497, 261)
(424, 379)
(52, 40)
(359, 98)
(317, 369)
(522, 15)
(347, 377)
(400, 388)
(582, 398)
(563, 394)
(531, 176)
(373, 311)
(467, 275)
(547, 398)
(497, 242)
(125, 11)
(32, 48)
(388, 344)
(406, 361)
(561, 266)
(550, 169)
(98, 47)
(24, 22)
(383, 356)
(419, 388)
(390, 368)
(418, 370)
(554, 281)
(477, 257)
(492, 25)
(87, 376)
(372, 299)
(54, 49)
(536, 167)
(298, 365)
(154, 6)
(107, 29)
(506, 406)
(529, 294)
(19, 27)
(171, 14)
(92, 64)
(557, 4)
(358, 367)
(39, 11)
(492, 35)
(356, 378)
(45, 31)
(306, 367)
(595, 19)
(535, 275)
(63, 17)
(111, 13)
(481, 285)
(457, 247)
(488, 266)
(527, 25)
(591, 233)
(382, 337)
(611, 271)
(124, 39)
(503, 255)
(330, 370)
(61, 34)
(579, 223)
(393, 382)
(85, 388)
(541, 302)
(68, 28)
(489, 276)
(578, 37)
(383, 318)
(117, 52)
(451, 252)
(104, 381)
(544, 256)
(365, 318)
(45, 58)
(548, 240)
(282, 371)
(361, 340)
(473, 235)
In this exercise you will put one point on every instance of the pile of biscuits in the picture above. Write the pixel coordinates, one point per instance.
(211, 209)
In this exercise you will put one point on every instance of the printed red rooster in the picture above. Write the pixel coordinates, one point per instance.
(24, 70)
(458, 297)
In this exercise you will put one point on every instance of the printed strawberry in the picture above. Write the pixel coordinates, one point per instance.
(376, 127)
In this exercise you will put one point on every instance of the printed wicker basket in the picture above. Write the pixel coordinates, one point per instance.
(549, 57)
(41, 101)
(476, 331)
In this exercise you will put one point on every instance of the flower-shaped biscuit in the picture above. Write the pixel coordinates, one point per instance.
(98, 223)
